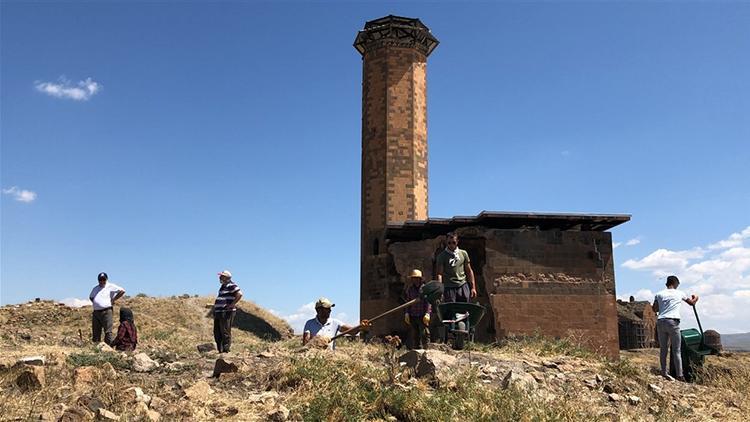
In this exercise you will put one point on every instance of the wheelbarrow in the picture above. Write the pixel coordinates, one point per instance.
(693, 351)
(459, 321)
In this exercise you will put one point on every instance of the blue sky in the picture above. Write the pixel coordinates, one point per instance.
(163, 142)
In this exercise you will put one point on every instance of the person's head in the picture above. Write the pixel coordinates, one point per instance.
(224, 277)
(126, 314)
(672, 282)
(323, 309)
(415, 276)
(451, 240)
(102, 278)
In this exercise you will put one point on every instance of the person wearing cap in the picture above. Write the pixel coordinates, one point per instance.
(453, 268)
(417, 316)
(225, 310)
(324, 326)
(103, 297)
(667, 304)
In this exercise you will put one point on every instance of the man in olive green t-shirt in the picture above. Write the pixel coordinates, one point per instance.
(453, 270)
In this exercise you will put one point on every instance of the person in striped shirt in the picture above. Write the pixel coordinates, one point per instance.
(224, 311)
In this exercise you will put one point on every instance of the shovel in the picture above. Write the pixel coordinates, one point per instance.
(430, 292)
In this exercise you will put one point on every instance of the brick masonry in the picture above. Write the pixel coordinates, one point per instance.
(394, 151)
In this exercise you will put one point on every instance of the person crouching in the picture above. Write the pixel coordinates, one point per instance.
(127, 334)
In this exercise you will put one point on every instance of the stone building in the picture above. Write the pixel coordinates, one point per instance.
(544, 273)
(636, 324)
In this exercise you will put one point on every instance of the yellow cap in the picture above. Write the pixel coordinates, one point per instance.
(323, 302)
(415, 274)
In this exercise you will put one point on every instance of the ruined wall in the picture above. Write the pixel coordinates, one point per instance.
(556, 283)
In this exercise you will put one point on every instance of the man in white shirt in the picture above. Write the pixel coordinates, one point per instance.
(667, 304)
(103, 297)
(324, 326)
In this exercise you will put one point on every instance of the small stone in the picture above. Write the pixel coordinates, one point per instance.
(109, 370)
(199, 391)
(143, 363)
(105, 415)
(278, 415)
(53, 414)
(550, 364)
(32, 360)
(31, 378)
(599, 379)
(590, 383)
(266, 354)
(518, 379)
(655, 388)
(223, 366)
(84, 376)
(634, 400)
(653, 410)
(206, 347)
(133, 394)
(614, 397)
(608, 388)
(75, 414)
(159, 404)
(104, 347)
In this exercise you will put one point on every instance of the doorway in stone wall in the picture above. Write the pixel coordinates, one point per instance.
(475, 247)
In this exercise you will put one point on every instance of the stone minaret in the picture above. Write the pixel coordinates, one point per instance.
(394, 141)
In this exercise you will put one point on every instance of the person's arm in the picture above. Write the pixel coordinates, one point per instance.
(305, 337)
(439, 269)
(237, 298)
(470, 278)
(92, 295)
(655, 306)
(120, 293)
(692, 300)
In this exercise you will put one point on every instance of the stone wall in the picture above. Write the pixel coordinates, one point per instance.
(556, 283)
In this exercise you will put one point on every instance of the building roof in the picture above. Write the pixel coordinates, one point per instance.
(412, 230)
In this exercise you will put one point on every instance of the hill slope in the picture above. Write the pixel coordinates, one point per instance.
(531, 379)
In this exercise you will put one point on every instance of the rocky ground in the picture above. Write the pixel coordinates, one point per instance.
(51, 372)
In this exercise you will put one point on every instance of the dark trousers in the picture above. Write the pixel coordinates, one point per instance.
(418, 333)
(223, 330)
(457, 294)
(101, 320)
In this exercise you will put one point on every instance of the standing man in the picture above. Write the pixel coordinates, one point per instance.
(417, 316)
(667, 305)
(453, 270)
(103, 297)
(224, 311)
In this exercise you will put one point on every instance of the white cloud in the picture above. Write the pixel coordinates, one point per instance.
(82, 91)
(633, 242)
(20, 195)
(616, 244)
(75, 302)
(298, 318)
(719, 273)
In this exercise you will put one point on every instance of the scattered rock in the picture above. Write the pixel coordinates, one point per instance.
(516, 378)
(32, 360)
(84, 376)
(109, 370)
(91, 403)
(206, 347)
(280, 414)
(175, 366)
(104, 347)
(199, 391)
(634, 400)
(599, 379)
(266, 354)
(158, 404)
(591, 383)
(614, 397)
(105, 415)
(223, 366)
(608, 388)
(54, 414)
(653, 410)
(31, 378)
(143, 411)
(143, 363)
(75, 414)
(550, 364)
(655, 388)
